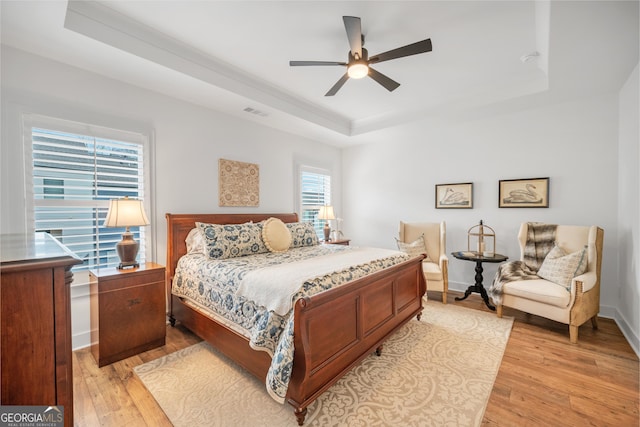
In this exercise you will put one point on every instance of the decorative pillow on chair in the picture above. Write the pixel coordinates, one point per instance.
(415, 248)
(302, 234)
(560, 268)
(232, 240)
(276, 235)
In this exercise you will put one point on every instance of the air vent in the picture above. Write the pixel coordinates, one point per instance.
(529, 57)
(256, 112)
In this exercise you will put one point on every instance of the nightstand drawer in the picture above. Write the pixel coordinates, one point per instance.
(111, 283)
(134, 315)
(344, 242)
(127, 312)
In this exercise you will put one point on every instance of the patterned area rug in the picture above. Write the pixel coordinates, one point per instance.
(434, 372)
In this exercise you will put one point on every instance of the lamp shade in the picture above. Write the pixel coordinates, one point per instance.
(326, 212)
(126, 213)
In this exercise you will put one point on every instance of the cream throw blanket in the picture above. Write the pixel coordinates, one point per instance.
(540, 240)
(274, 287)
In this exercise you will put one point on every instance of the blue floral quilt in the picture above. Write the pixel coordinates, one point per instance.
(213, 283)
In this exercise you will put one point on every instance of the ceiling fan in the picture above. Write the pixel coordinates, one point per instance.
(359, 60)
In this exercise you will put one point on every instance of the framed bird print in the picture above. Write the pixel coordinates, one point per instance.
(454, 196)
(523, 193)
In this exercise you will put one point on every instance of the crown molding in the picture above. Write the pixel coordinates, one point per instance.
(99, 22)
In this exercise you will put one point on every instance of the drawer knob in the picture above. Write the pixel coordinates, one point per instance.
(134, 301)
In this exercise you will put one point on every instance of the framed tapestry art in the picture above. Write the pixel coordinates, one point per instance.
(238, 183)
(523, 193)
(454, 196)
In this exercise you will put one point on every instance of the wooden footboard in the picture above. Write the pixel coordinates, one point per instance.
(336, 329)
(333, 330)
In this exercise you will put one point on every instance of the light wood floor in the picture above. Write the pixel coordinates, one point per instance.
(543, 379)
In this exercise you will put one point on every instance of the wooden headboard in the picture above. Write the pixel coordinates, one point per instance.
(179, 225)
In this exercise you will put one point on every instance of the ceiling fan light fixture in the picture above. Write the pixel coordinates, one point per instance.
(358, 58)
(358, 70)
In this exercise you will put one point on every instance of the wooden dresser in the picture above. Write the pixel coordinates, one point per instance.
(35, 322)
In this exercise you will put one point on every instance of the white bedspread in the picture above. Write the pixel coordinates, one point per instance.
(274, 287)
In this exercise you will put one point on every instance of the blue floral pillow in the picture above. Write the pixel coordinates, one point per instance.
(232, 240)
(302, 234)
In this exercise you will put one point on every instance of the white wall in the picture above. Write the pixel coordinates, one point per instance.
(187, 141)
(628, 297)
(575, 144)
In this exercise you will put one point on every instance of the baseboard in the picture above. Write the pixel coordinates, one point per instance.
(606, 312)
(80, 312)
(458, 287)
(81, 340)
(632, 338)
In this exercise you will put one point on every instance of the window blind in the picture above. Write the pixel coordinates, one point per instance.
(315, 191)
(74, 176)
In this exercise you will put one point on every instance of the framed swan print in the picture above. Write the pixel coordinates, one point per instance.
(523, 193)
(454, 196)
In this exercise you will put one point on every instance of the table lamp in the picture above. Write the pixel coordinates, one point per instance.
(126, 213)
(326, 213)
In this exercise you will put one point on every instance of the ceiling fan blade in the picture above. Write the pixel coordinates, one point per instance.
(385, 81)
(336, 87)
(303, 63)
(354, 34)
(408, 50)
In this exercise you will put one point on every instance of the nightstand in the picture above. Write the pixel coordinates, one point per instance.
(344, 242)
(127, 311)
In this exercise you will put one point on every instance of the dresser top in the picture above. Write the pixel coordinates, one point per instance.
(33, 247)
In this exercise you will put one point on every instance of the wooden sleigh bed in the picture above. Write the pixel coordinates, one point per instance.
(333, 331)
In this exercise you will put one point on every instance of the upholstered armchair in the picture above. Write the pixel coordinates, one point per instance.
(573, 303)
(435, 266)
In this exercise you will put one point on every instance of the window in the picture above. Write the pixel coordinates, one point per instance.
(75, 171)
(315, 191)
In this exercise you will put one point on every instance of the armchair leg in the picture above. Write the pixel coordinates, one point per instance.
(499, 310)
(444, 297)
(573, 334)
(594, 322)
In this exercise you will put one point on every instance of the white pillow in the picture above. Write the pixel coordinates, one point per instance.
(415, 248)
(560, 267)
(195, 242)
